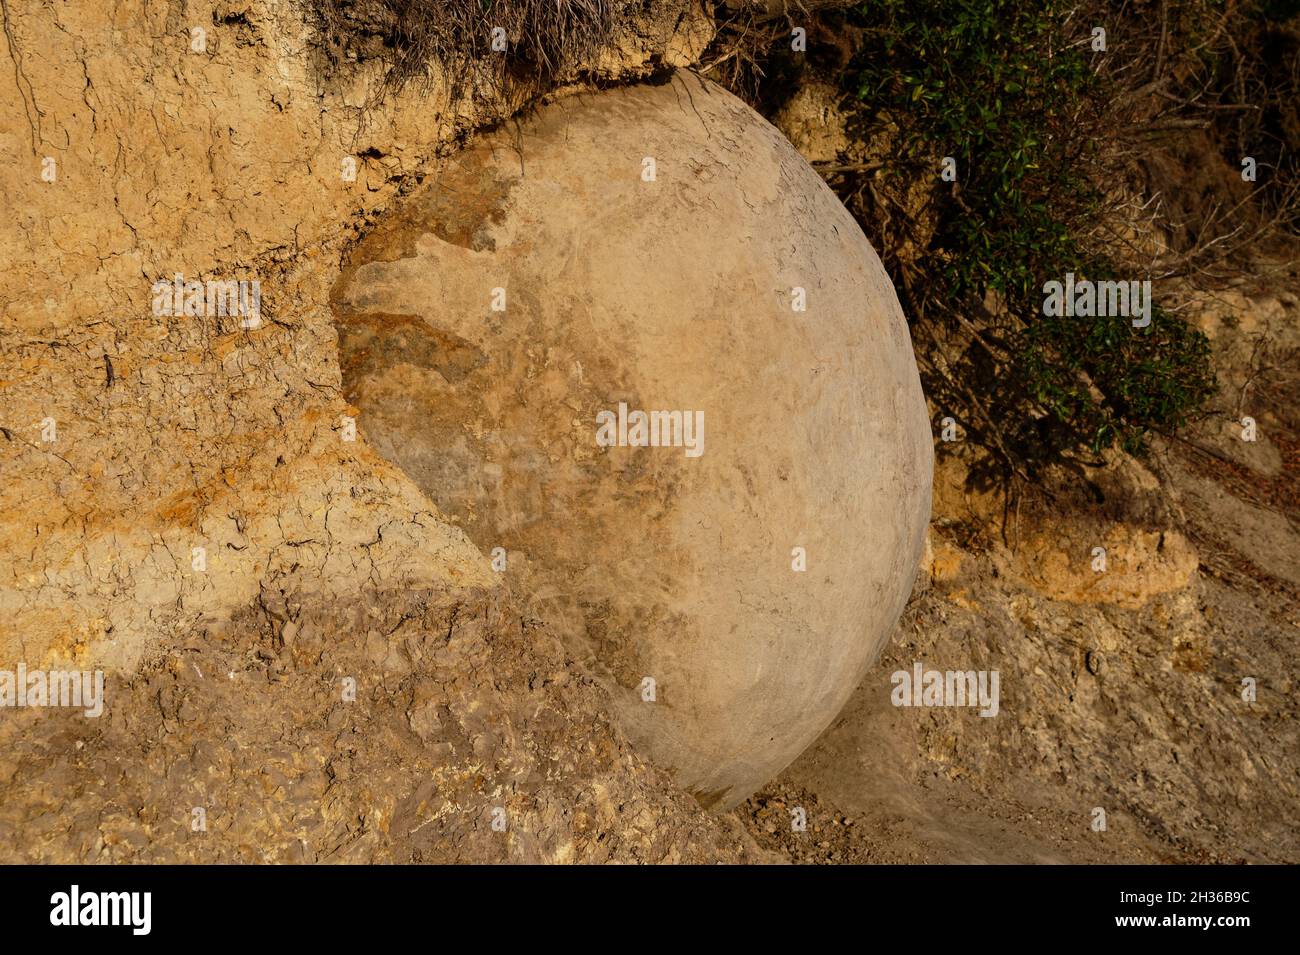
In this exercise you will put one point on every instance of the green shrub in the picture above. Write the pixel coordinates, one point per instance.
(1009, 90)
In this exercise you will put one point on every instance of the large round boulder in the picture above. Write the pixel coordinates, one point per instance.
(642, 354)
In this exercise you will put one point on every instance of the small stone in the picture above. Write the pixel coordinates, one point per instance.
(1093, 661)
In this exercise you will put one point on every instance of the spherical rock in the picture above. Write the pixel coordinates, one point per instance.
(730, 568)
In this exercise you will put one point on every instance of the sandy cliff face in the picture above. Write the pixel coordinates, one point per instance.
(175, 433)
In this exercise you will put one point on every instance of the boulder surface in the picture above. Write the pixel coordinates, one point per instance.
(729, 567)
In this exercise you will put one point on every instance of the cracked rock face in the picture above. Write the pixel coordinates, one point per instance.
(657, 249)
